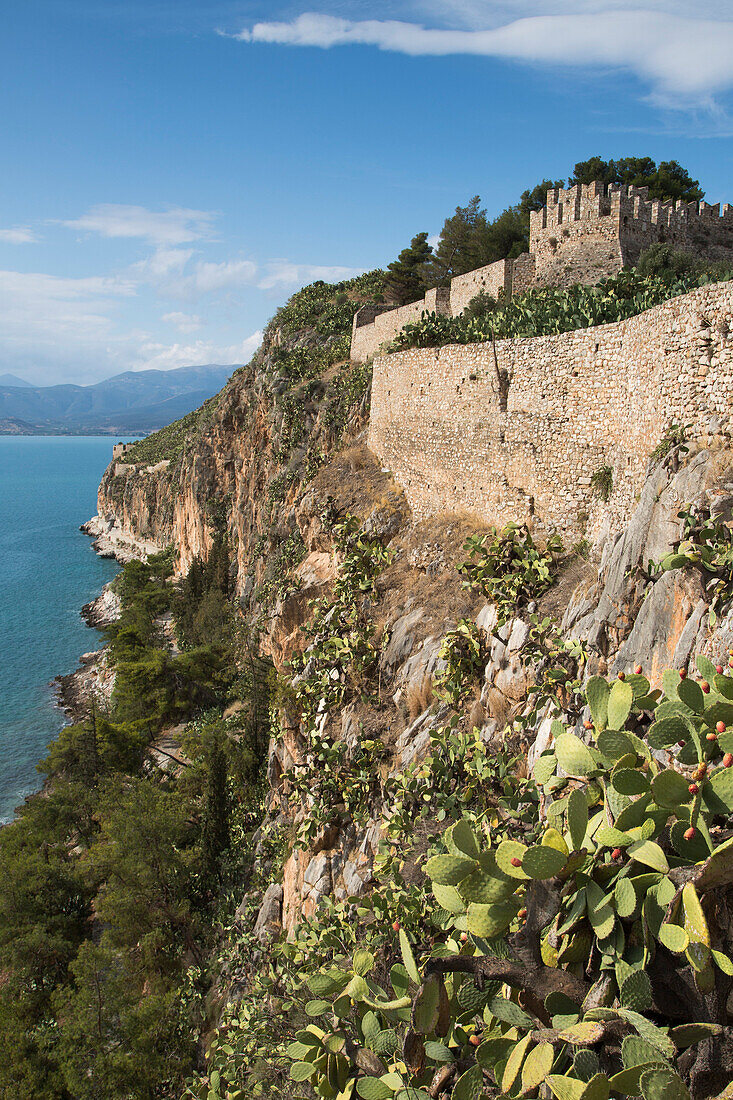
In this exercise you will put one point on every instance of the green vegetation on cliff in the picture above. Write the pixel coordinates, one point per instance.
(115, 875)
(545, 311)
(558, 929)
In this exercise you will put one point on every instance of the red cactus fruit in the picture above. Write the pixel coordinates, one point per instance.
(705, 686)
(683, 673)
(515, 862)
(474, 1040)
(711, 736)
(719, 669)
(728, 759)
(587, 725)
(693, 788)
(690, 833)
(637, 670)
(720, 727)
(616, 853)
(622, 675)
(396, 926)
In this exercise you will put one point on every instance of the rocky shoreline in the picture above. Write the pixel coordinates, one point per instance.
(113, 541)
(93, 680)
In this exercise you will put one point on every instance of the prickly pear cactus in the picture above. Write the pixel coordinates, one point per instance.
(558, 932)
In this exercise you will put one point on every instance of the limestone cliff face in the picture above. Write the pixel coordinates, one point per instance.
(266, 461)
(622, 614)
(241, 464)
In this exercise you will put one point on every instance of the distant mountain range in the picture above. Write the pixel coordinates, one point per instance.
(136, 401)
(13, 380)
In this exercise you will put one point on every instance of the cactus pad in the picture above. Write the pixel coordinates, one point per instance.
(573, 756)
(543, 862)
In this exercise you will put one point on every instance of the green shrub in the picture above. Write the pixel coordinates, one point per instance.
(589, 913)
(328, 308)
(545, 311)
(508, 568)
(602, 481)
(675, 435)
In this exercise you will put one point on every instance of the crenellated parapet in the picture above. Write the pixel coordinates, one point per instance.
(583, 234)
(589, 231)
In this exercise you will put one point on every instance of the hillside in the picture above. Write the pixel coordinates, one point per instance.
(136, 401)
(381, 806)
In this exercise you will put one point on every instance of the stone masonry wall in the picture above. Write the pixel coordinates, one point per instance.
(582, 235)
(494, 279)
(516, 430)
(370, 333)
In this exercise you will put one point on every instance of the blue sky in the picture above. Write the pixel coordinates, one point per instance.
(174, 169)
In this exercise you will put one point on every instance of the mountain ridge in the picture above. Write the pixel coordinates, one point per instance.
(130, 401)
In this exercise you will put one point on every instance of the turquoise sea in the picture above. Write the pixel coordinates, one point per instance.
(48, 486)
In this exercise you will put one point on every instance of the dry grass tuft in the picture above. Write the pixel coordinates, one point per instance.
(477, 715)
(419, 698)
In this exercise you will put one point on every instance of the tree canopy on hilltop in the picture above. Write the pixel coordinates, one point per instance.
(469, 239)
(666, 180)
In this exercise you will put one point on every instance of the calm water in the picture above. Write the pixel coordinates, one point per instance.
(48, 486)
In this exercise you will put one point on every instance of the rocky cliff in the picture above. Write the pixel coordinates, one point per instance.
(271, 455)
(400, 656)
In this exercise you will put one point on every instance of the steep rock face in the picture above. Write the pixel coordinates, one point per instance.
(622, 610)
(262, 462)
(240, 466)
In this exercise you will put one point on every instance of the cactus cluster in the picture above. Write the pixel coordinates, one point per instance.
(552, 975)
(508, 567)
(545, 311)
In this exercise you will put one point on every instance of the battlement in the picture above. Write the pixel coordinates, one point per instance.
(593, 201)
(583, 234)
(591, 230)
(119, 449)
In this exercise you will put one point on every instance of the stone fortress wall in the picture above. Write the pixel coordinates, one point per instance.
(583, 234)
(516, 430)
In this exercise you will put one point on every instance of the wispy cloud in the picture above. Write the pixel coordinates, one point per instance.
(170, 227)
(167, 356)
(685, 61)
(57, 306)
(284, 273)
(184, 322)
(176, 275)
(19, 234)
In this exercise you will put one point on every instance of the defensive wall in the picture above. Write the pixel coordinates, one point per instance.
(582, 235)
(589, 232)
(516, 430)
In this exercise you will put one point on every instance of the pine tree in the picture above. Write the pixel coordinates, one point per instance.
(215, 837)
(405, 279)
(666, 180)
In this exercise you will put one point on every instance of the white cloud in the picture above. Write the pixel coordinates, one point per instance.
(686, 61)
(19, 234)
(54, 307)
(59, 328)
(167, 356)
(173, 275)
(184, 322)
(173, 226)
(207, 277)
(284, 273)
